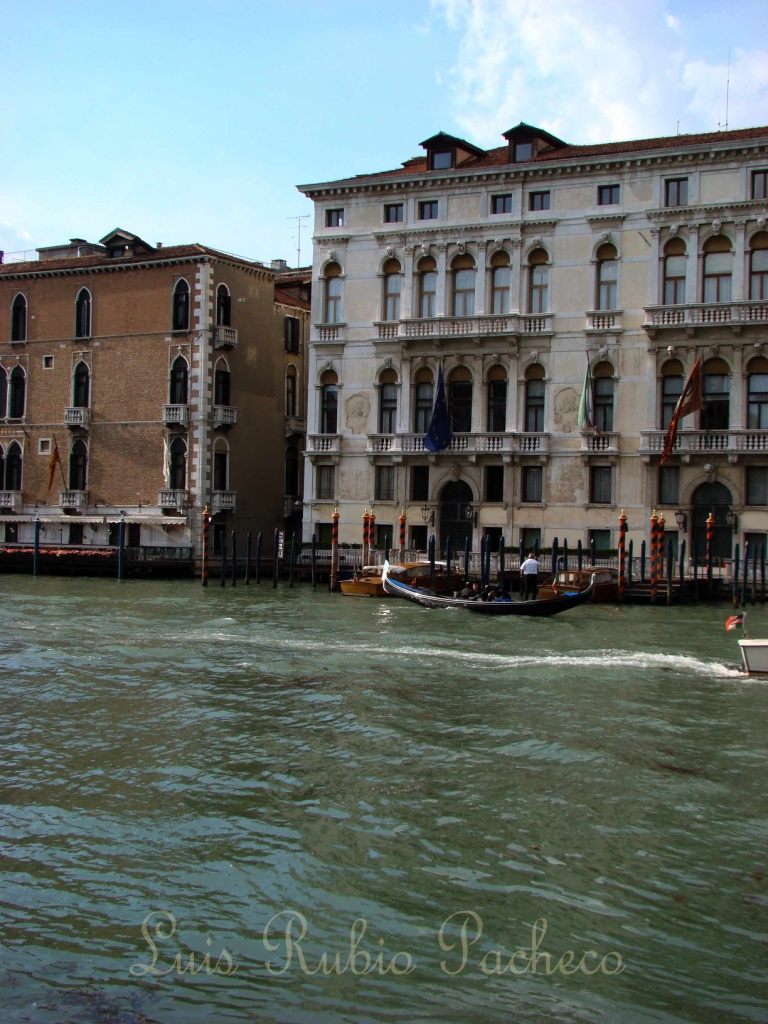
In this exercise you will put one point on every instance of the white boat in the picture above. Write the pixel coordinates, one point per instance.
(754, 654)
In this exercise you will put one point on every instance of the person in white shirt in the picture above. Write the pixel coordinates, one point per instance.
(529, 570)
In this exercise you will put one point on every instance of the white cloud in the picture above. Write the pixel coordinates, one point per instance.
(589, 75)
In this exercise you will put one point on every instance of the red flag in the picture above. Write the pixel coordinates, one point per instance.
(55, 457)
(691, 400)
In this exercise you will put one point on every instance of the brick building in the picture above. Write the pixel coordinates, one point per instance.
(167, 378)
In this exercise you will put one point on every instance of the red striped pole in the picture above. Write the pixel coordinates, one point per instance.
(654, 558)
(710, 549)
(334, 550)
(622, 549)
(402, 536)
(364, 554)
(206, 526)
(661, 528)
(371, 537)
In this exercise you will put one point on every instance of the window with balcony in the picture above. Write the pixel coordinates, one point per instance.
(534, 399)
(81, 386)
(757, 485)
(83, 314)
(676, 192)
(675, 260)
(291, 391)
(423, 401)
(385, 483)
(392, 288)
(607, 277)
(221, 467)
(497, 400)
(177, 480)
(608, 195)
(671, 389)
(388, 402)
(3, 392)
(758, 266)
(757, 395)
(180, 314)
(600, 479)
(603, 396)
(177, 394)
(222, 383)
(718, 268)
(669, 485)
(19, 318)
(500, 283)
(223, 306)
(539, 201)
(329, 403)
(13, 467)
(759, 180)
(420, 483)
(427, 287)
(78, 466)
(393, 213)
(501, 204)
(17, 394)
(494, 483)
(325, 483)
(538, 282)
(532, 483)
(460, 401)
(334, 218)
(332, 311)
(716, 387)
(463, 276)
(428, 209)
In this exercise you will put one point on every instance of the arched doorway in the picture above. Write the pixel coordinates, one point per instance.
(717, 499)
(454, 499)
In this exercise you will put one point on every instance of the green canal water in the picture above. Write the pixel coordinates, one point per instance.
(248, 805)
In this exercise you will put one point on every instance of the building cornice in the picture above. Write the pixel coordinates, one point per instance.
(40, 270)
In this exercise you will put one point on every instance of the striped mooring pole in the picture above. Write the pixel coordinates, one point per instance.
(622, 553)
(654, 559)
(206, 530)
(402, 536)
(371, 522)
(364, 553)
(710, 549)
(334, 550)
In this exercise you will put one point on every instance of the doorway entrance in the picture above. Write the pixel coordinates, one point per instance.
(717, 499)
(455, 498)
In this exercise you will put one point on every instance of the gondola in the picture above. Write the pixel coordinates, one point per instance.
(552, 606)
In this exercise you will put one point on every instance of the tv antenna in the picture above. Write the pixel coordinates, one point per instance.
(304, 216)
(727, 90)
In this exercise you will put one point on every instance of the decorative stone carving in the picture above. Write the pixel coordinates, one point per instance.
(605, 236)
(409, 250)
(331, 255)
(425, 249)
(455, 473)
(462, 248)
(716, 225)
(390, 251)
(761, 221)
(536, 242)
(673, 229)
(535, 356)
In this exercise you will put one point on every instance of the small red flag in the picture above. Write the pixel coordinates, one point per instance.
(55, 457)
(691, 400)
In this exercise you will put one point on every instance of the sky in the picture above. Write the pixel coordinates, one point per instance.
(194, 120)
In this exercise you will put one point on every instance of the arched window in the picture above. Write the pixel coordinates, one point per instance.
(220, 467)
(422, 406)
(460, 399)
(180, 318)
(671, 389)
(603, 384)
(538, 282)
(497, 400)
(13, 467)
(607, 277)
(221, 383)
(758, 266)
(83, 314)
(716, 387)
(534, 399)
(333, 294)
(500, 283)
(2, 468)
(718, 267)
(17, 394)
(463, 271)
(291, 470)
(392, 281)
(674, 272)
(19, 319)
(427, 287)
(223, 306)
(179, 378)
(388, 402)
(81, 380)
(3, 392)
(757, 394)
(78, 466)
(291, 397)
(178, 474)
(329, 404)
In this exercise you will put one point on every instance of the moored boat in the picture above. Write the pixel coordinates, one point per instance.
(368, 582)
(754, 654)
(570, 581)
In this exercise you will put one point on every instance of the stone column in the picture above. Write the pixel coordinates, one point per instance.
(738, 292)
(692, 276)
(481, 278)
(407, 306)
(516, 246)
(441, 279)
(656, 297)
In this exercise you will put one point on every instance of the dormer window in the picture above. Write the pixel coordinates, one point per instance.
(442, 160)
(523, 151)
(446, 151)
(527, 142)
(116, 251)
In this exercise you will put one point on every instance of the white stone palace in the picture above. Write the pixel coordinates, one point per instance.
(514, 269)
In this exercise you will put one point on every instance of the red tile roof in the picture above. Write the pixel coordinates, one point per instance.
(286, 299)
(168, 253)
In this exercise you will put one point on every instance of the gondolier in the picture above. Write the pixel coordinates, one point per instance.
(529, 570)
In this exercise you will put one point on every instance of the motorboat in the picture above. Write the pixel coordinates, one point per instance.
(754, 654)
(368, 582)
(570, 581)
(397, 587)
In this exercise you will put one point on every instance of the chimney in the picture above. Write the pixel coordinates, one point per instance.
(278, 265)
(158, 245)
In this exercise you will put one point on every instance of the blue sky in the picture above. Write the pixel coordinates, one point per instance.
(194, 120)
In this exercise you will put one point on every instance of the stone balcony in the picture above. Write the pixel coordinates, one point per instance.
(732, 443)
(77, 417)
(11, 501)
(223, 501)
(328, 333)
(480, 326)
(604, 321)
(73, 500)
(323, 444)
(176, 415)
(295, 425)
(224, 417)
(172, 500)
(601, 443)
(224, 337)
(692, 316)
(462, 444)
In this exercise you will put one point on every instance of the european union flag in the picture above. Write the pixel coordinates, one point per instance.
(439, 435)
